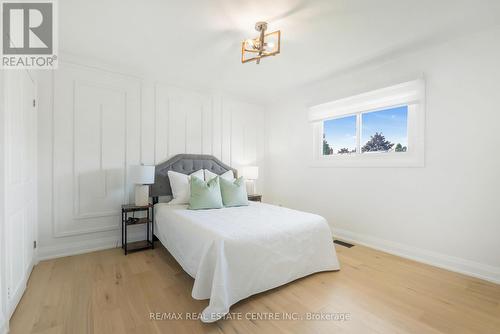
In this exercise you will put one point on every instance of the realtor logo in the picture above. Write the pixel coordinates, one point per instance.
(29, 37)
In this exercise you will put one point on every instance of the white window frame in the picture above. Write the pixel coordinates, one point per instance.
(411, 94)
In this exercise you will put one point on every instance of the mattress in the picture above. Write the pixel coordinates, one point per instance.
(233, 253)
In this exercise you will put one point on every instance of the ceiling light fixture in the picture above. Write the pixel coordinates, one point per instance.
(263, 46)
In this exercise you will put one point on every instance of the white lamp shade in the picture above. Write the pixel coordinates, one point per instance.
(250, 172)
(141, 174)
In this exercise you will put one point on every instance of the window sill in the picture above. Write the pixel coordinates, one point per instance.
(385, 160)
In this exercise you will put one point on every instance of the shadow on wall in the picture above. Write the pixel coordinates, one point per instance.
(101, 190)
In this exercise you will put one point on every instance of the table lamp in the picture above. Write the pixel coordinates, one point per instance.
(251, 173)
(142, 176)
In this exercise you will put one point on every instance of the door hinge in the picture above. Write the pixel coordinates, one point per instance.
(8, 293)
(34, 103)
(34, 244)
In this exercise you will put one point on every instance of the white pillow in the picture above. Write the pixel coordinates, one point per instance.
(179, 183)
(229, 175)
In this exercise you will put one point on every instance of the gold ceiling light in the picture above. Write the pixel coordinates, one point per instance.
(263, 46)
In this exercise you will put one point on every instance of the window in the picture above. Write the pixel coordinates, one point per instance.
(339, 135)
(385, 130)
(380, 128)
(382, 131)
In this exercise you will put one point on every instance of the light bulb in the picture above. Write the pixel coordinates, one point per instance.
(250, 43)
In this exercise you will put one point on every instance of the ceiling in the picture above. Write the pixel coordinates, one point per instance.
(197, 43)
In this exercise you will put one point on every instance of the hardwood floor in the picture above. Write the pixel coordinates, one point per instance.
(107, 292)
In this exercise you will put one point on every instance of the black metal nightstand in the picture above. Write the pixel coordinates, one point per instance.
(128, 221)
(255, 198)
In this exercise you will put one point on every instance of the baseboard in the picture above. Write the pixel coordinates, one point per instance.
(84, 246)
(462, 266)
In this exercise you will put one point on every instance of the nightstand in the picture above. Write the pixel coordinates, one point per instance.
(128, 221)
(255, 198)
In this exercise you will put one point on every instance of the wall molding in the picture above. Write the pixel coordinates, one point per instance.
(57, 234)
(176, 109)
(131, 86)
(85, 246)
(455, 264)
(77, 214)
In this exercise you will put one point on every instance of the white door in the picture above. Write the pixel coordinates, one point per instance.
(20, 181)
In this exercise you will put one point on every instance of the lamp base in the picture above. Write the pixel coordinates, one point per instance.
(250, 184)
(141, 195)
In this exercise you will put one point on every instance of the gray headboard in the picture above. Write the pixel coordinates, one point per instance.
(186, 164)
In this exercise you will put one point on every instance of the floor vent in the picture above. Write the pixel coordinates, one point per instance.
(343, 243)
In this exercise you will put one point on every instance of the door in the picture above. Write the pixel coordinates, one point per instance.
(20, 181)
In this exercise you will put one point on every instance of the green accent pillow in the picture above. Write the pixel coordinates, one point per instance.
(234, 192)
(205, 195)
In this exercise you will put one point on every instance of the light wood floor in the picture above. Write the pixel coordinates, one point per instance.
(107, 292)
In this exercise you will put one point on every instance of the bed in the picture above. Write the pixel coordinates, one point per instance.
(233, 253)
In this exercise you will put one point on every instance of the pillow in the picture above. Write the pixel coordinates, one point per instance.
(180, 186)
(205, 195)
(229, 175)
(234, 193)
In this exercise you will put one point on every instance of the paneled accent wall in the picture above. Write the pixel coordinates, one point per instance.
(183, 122)
(190, 122)
(95, 137)
(101, 122)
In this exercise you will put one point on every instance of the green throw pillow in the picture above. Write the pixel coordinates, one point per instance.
(234, 192)
(205, 195)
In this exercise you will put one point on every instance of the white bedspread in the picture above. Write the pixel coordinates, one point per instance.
(233, 253)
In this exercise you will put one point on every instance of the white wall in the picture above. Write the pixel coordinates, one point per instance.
(446, 213)
(96, 120)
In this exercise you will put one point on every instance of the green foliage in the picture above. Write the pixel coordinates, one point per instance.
(400, 148)
(377, 143)
(327, 150)
(345, 150)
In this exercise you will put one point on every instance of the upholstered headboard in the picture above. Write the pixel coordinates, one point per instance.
(186, 164)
